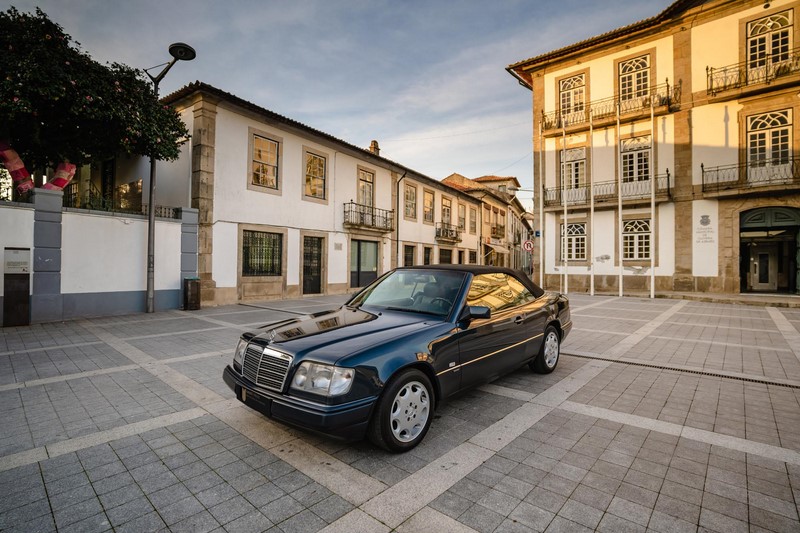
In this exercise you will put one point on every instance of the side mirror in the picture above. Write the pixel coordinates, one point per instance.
(479, 311)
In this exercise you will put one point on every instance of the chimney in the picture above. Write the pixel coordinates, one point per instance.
(374, 148)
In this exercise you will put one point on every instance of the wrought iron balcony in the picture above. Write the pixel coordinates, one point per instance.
(368, 217)
(605, 191)
(447, 232)
(752, 73)
(754, 175)
(606, 108)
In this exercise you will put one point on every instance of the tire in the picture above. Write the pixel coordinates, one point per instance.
(404, 412)
(549, 354)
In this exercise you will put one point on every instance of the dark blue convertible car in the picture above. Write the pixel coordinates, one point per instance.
(380, 364)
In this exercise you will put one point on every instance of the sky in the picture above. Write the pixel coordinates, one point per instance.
(425, 78)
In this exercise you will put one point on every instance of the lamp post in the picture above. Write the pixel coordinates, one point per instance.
(179, 52)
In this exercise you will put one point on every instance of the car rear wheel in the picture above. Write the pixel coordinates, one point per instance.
(404, 412)
(549, 353)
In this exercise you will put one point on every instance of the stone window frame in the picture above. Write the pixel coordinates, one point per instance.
(406, 188)
(560, 241)
(637, 239)
(744, 25)
(638, 214)
(251, 134)
(763, 106)
(652, 77)
(557, 82)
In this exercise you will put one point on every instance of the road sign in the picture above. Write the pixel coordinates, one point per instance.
(527, 246)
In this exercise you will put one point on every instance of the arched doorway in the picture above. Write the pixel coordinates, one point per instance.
(770, 249)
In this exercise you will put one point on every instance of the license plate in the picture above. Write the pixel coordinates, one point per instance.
(244, 394)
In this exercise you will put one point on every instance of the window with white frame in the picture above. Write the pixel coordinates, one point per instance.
(769, 138)
(447, 209)
(769, 43)
(573, 244)
(636, 239)
(411, 201)
(315, 176)
(265, 162)
(634, 78)
(571, 94)
(573, 167)
(636, 159)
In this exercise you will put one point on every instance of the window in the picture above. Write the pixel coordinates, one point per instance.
(408, 255)
(769, 43)
(445, 256)
(571, 95)
(769, 138)
(498, 291)
(447, 208)
(366, 184)
(573, 245)
(426, 255)
(636, 159)
(262, 253)
(315, 176)
(427, 207)
(473, 257)
(634, 78)
(411, 201)
(636, 239)
(462, 217)
(265, 162)
(473, 220)
(573, 167)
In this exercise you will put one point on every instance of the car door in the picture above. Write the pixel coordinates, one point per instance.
(493, 346)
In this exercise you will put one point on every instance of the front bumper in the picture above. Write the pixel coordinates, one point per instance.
(347, 421)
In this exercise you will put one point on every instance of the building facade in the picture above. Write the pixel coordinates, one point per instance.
(286, 210)
(666, 152)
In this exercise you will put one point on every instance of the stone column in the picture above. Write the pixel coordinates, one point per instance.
(46, 300)
(203, 153)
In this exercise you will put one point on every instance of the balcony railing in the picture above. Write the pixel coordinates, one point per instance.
(366, 216)
(447, 232)
(753, 175)
(657, 96)
(126, 201)
(605, 191)
(752, 73)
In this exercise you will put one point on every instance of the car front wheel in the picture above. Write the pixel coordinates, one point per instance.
(547, 359)
(404, 412)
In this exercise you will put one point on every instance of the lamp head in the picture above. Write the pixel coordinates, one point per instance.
(182, 51)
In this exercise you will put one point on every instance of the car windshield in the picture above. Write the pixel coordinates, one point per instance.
(418, 291)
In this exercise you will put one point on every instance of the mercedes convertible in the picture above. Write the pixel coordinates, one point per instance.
(379, 365)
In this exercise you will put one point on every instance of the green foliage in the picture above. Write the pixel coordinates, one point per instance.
(58, 104)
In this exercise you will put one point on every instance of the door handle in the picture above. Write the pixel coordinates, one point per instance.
(519, 320)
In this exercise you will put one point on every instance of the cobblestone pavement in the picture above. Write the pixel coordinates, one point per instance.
(663, 415)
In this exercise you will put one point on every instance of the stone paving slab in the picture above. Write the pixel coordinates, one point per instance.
(603, 445)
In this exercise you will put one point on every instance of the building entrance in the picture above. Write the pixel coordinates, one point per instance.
(770, 250)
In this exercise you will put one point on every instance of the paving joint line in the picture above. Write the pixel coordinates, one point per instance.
(690, 370)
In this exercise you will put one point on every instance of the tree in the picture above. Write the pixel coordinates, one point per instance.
(58, 105)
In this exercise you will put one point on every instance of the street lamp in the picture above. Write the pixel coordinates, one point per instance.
(179, 52)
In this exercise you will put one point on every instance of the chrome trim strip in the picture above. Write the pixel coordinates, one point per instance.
(489, 354)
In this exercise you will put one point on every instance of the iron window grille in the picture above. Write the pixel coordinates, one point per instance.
(262, 253)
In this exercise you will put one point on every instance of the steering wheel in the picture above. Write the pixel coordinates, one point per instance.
(443, 302)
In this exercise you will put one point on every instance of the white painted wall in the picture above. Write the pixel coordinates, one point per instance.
(665, 262)
(224, 262)
(16, 231)
(109, 254)
(605, 240)
(705, 238)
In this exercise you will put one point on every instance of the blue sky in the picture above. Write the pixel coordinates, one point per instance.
(426, 79)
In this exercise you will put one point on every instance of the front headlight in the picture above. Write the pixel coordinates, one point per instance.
(322, 379)
(238, 355)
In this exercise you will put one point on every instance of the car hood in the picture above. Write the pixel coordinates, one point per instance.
(329, 336)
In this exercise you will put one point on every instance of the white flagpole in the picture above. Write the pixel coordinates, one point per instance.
(619, 202)
(542, 161)
(591, 202)
(652, 201)
(564, 200)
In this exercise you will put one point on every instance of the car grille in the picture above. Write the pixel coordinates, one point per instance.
(265, 367)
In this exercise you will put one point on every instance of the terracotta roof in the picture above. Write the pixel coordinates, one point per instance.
(673, 10)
